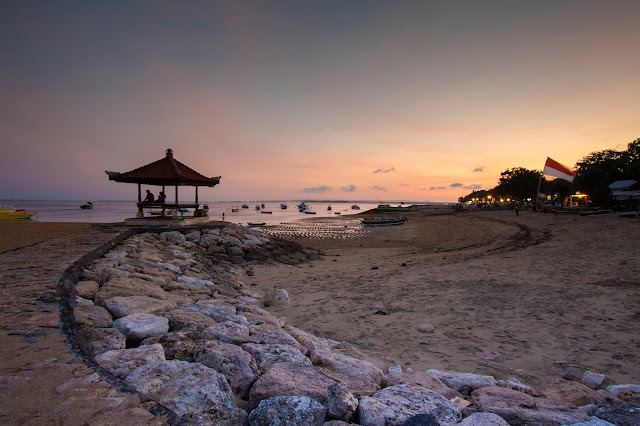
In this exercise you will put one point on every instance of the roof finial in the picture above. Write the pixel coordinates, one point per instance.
(169, 152)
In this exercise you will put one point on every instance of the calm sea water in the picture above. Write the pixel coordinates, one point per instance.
(117, 211)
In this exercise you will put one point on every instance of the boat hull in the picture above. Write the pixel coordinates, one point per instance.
(384, 222)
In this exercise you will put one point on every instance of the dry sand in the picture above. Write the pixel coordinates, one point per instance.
(533, 296)
(23, 233)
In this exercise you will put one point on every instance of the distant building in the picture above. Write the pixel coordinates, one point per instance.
(625, 195)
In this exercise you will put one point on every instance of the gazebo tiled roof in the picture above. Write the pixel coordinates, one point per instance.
(166, 171)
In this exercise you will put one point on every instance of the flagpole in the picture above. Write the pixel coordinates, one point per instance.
(537, 193)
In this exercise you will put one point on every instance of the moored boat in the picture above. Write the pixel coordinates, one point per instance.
(398, 220)
(8, 212)
(355, 207)
(244, 206)
(266, 211)
(283, 206)
(256, 224)
(87, 205)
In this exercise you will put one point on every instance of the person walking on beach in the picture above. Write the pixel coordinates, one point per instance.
(516, 209)
(149, 198)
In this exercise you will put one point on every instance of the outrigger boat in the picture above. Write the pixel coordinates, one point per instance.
(399, 220)
(87, 205)
(10, 213)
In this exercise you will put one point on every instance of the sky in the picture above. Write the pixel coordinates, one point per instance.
(326, 100)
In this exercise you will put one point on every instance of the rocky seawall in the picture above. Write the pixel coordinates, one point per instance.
(164, 314)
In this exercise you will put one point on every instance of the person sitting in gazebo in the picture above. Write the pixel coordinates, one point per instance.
(161, 197)
(149, 199)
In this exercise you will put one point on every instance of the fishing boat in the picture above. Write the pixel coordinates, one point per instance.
(266, 211)
(329, 207)
(398, 220)
(257, 206)
(235, 209)
(302, 206)
(309, 211)
(355, 207)
(244, 206)
(8, 212)
(283, 206)
(87, 205)
(255, 224)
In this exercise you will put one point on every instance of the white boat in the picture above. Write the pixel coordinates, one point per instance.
(87, 205)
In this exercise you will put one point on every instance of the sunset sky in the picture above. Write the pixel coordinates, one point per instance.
(349, 99)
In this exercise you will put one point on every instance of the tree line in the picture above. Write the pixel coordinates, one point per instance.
(593, 175)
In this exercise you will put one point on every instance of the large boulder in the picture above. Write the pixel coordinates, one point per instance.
(195, 393)
(424, 379)
(341, 404)
(137, 327)
(123, 306)
(519, 408)
(229, 332)
(573, 393)
(122, 362)
(180, 318)
(457, 381)
(296, 379)
(620, 414)
(268, 354)
(361, 369)
(396, 404)
(235, 364)
(288, 411)
(483, 419)
(279, 337)
(128, 287)
(92, 316)
(101, 340)
(87, 289)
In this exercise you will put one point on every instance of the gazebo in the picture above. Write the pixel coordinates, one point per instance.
(166, 172)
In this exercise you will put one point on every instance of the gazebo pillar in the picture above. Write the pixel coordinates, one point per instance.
(140, 211)
(197, 194)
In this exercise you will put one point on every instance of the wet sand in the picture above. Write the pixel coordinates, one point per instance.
(23, 233)
(533, 296)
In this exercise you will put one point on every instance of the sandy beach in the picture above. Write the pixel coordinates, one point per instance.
(534, 296)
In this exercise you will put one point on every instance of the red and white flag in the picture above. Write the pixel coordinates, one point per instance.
(553, 168)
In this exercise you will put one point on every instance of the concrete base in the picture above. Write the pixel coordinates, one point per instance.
(167, 221)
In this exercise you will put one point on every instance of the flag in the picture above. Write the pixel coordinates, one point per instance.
(553, 168)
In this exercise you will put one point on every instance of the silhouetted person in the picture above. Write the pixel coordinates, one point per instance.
(161, 197)
(149, 198)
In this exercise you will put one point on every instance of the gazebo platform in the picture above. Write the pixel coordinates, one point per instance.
(168, 221)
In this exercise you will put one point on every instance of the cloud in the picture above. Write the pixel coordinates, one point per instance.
(474, 186)
(379, 188)
(478, 169)
(317, 189)
(349, 188)
(437, 188)
(455, 185)
(392, 169)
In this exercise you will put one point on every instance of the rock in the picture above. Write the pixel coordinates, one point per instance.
(594, 421)
(423, 379)
(396, 404)
(174, 237)
(128, 287)
(616, 389)
(229, 332)
(483, 419)
(457, 381)
(276, 296)
(87, 289)
(593, 380)
(137, 327)
(620, 414)
(235, 364)
(519, 408)
(296, 379)
(92, 316)
(422, 420)
(193, 236)
(426, 328)
(395, 369)
(218, 310)
(363, 370)
(179, 345)
(341, 404)
(123, 306)
(101, 340)
(268, 354)
(288, 411)
(122, 362)
(573, 392)
(194, 392)
(516, 384)
(171, 267)
(180, 318)
(279, 337)
(196, 281)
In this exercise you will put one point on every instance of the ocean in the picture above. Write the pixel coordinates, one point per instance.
(118, 211)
